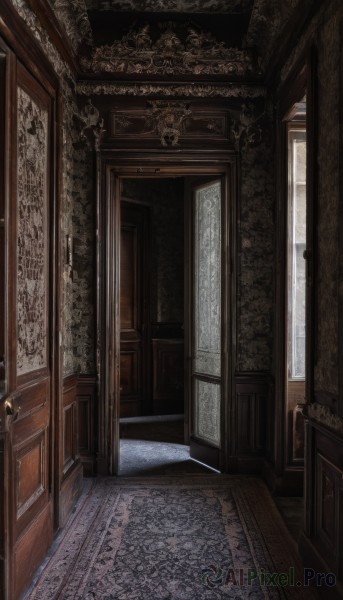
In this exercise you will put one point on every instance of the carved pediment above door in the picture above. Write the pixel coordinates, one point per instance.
(171, 49)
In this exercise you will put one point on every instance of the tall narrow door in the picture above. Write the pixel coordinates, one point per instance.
(25, 402)
(134, 310)
(207, 341)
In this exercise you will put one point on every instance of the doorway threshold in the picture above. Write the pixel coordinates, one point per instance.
(152, 419)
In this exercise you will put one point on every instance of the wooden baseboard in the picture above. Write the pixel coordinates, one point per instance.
(290, 483)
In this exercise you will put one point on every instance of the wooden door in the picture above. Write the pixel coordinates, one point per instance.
(26, 406)
(208, 324)
(134, 310)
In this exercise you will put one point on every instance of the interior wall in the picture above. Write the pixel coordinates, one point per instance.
(165, 197)
(255, 247)
(324, 34)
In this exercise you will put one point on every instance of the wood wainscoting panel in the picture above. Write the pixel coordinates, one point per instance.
(321, 542)
(70, 467)
(86, 403)
(251, 409)
(326, 502)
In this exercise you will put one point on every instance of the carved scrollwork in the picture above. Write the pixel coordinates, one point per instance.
(174, 52)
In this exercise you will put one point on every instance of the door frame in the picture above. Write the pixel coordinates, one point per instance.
(110, 172)
(301, 80)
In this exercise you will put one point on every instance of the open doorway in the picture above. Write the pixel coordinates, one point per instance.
(197, 356)
(152, 373)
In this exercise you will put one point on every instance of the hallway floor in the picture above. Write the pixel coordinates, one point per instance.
(170, 529)
(193, 537)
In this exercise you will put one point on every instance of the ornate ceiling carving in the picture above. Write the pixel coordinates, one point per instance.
(180, 6)
(177, 50)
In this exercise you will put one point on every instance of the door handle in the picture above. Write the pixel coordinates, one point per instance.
(10, 410)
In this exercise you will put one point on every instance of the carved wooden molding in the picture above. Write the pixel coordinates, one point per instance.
(169, 122)
(96, 88)
(178, 50)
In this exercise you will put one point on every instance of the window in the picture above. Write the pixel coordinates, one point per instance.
(296, 248)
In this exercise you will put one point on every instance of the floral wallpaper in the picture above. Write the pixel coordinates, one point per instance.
(255, 241)
(32, 274)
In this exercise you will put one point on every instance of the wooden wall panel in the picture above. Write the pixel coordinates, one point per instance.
(326, 501)
(87, 405)
(251, 410)
(321, 542)
(168, 376)
(70, 467)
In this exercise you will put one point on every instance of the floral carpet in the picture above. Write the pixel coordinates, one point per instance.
(200, 537)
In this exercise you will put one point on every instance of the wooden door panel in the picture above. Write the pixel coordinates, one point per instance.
(130, 376)
(207, 339)
(133, 309)
(29, 550)
(31, 472)
(30, 439)
(130, 274)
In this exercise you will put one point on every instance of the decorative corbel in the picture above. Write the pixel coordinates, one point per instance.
(247, 130)
(93, 125)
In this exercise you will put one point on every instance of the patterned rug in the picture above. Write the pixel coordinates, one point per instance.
(201, 537)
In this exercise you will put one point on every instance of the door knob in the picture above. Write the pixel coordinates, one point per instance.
(10, 410)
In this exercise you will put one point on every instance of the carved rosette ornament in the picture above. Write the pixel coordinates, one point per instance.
(166, 120)
(176, 51)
